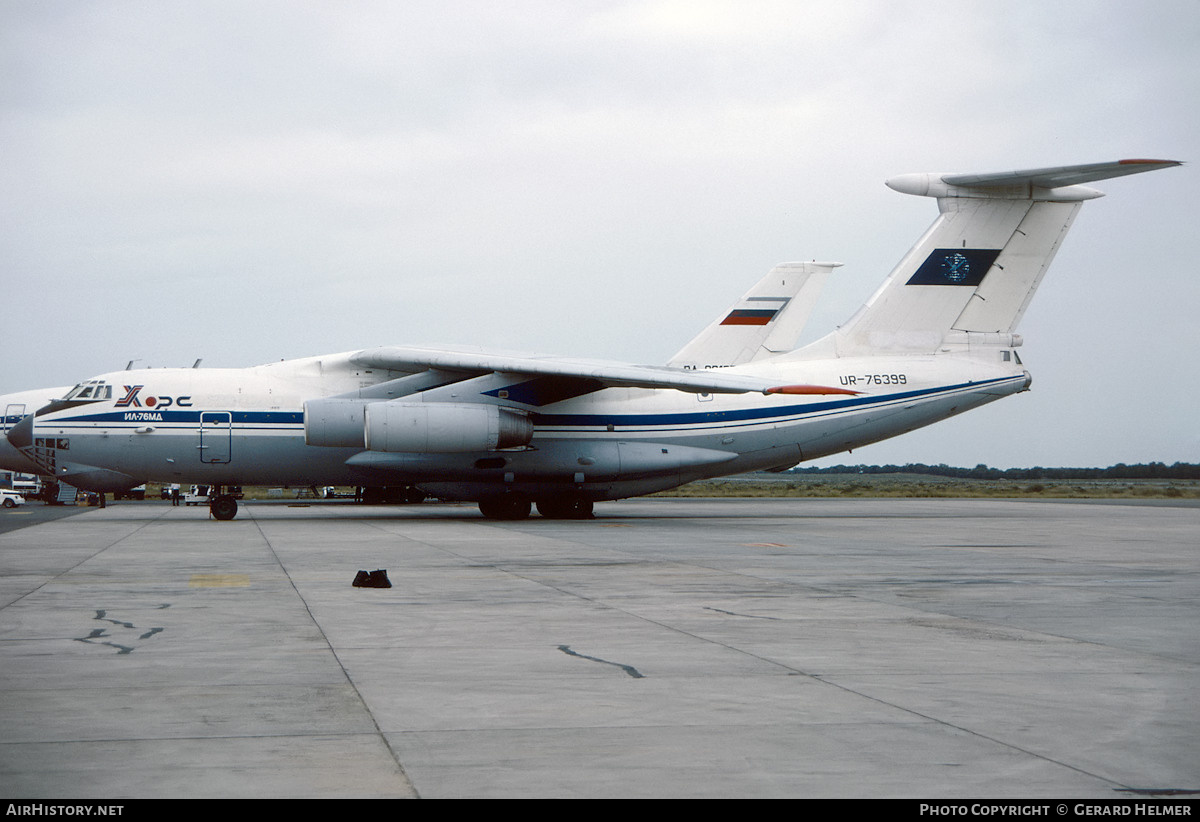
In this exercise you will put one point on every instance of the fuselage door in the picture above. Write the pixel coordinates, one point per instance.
(216, 436)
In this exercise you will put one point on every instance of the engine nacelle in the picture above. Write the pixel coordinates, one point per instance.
(443, 427)
(335, 423)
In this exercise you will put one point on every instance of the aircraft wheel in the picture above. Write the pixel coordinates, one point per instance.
(506, 507)
(223, 507)
(565, 508)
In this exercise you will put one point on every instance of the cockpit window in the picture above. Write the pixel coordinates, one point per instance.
(89, 391)
(82, 394)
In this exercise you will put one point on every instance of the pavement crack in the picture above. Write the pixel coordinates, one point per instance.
(734, 613)
(629, 669)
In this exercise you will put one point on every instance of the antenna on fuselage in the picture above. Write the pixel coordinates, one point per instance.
(196, 364)
(129, 365)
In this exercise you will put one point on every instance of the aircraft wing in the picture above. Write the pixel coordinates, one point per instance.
(601, 373)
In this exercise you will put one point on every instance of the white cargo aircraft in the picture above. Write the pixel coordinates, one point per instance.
(507, 430)
(16, 407)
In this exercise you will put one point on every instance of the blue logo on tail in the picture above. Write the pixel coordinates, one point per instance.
(955, 266)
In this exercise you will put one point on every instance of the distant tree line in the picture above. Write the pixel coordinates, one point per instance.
(1148, 470)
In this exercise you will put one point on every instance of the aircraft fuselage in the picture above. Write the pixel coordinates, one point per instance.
(247, 427)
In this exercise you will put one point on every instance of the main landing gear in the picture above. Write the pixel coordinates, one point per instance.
(509, 506)
(223, 506)
(568, 507)
(514, 507)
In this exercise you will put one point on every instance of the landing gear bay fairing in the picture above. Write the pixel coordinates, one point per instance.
(508, 430)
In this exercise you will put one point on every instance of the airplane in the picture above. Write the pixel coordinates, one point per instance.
(14, 408)
(509, 431)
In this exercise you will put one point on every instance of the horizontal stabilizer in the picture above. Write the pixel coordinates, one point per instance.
(1058, 183)
(1059, 176)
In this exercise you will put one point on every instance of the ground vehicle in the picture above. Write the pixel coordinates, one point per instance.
(132, 493)
(10, 499)
(196, 495)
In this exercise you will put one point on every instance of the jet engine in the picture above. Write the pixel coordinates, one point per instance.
(417, 427)
(335, 423)
(443, 427)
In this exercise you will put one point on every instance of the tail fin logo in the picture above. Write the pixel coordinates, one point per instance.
(955, 266)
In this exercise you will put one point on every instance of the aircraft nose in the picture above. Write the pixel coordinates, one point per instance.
(21, 434)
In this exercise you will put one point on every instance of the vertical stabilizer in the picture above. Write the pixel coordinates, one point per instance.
(975, 270)
(768, 319)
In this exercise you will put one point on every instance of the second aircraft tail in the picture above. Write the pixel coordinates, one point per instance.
(766, 321)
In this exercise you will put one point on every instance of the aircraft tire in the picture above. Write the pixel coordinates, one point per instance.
(567, 507)
(224, 507)
(509, 507)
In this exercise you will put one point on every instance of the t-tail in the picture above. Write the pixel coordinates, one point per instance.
(971, 276)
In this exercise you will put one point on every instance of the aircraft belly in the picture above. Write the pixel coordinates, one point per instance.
(596, 492)
(573, 461)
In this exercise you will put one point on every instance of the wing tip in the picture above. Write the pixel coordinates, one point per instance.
(1142, 161)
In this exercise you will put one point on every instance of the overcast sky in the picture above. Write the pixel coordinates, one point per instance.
(253, 181)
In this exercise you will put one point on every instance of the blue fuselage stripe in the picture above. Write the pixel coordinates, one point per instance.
(751, 415)
(294, 420)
